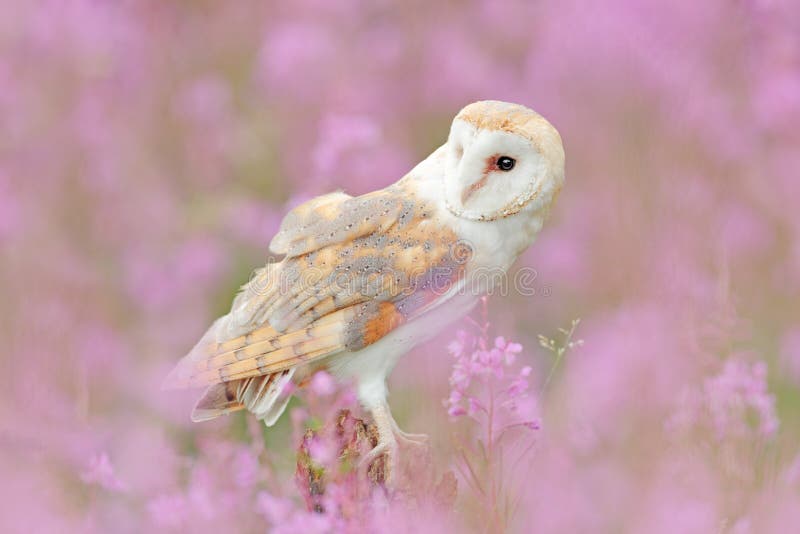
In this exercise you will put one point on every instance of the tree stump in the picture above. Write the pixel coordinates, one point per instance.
(415, 484)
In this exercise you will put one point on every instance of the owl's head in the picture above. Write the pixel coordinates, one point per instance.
(501, 159)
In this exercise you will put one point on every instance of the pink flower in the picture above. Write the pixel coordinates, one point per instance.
(737, 390)
(322, 451)
(479, 367)
(493, 393)
(456, 410)
(168, 510)
(100, 472)
(275, 509)
(305, 522)
(474, 406)
(294, 54)
(735, 403)
(532, 425)
(322, 384)
(245, 468)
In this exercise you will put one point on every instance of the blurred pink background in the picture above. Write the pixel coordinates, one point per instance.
(148, 150)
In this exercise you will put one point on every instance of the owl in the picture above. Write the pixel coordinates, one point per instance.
(364, 279)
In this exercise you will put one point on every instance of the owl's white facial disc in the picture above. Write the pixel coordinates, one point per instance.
(501, 159)
(490, 174)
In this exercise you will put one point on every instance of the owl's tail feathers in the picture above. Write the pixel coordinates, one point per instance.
(177, 378)
(217, 400)
(262, 395)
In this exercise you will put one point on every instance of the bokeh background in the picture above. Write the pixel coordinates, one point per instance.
(148, 150)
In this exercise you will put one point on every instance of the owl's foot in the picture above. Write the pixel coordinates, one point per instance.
(397, 455)
(410, 440)
(382, 462)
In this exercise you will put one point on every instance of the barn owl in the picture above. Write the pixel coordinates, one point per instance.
(364, 279)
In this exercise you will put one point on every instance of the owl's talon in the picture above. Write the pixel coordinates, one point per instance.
(414, 440)
(372, 455)
(389, 450)
(392, 442)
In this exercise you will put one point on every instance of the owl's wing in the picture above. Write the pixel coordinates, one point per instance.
(336, 218)
(356, 269)
(311, 236)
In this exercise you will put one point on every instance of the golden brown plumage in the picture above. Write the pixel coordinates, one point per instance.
(355, 269)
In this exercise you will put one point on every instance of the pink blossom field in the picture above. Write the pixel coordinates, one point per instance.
(648, 381)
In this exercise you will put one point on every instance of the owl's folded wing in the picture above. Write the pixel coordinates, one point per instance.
(314, 237)
(336, 292)
(337, 218)
(266, 351)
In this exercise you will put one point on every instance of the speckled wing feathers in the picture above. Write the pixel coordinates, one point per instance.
(356, 269)
(335, 218)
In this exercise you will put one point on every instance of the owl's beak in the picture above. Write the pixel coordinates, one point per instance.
(472, 188)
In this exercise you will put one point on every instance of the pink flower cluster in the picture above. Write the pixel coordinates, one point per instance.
(490, 389)
(224, 485)
(479, 369)
(101, 472)
(735, 403)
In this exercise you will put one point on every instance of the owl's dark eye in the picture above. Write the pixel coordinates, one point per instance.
(504, 163)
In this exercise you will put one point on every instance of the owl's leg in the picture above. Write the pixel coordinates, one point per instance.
(387, 442)
(391, 440)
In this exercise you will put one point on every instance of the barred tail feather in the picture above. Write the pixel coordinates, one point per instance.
(219, 399)
(260, 395)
